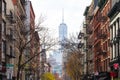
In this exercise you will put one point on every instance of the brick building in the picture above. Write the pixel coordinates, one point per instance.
(97, 38)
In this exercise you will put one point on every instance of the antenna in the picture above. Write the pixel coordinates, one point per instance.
(62, 15)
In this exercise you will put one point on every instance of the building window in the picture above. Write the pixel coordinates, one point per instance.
(108, 61)
(105, 46)
(3, 27)
(112, 52)
(3, 7)
(3, 50)
(0, 30)
(111, 32)
(11, 51)
(104, 66)
(117, 50)
(0, 6)
(119, 22)
(114, 29)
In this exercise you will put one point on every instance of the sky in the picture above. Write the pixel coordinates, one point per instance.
(51, 10)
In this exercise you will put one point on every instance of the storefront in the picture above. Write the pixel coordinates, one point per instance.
(104, 76)
(115, 70)
(2, 72)
(9, 71)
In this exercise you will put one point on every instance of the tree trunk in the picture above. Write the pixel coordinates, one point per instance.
(19, 66)
(18, 73)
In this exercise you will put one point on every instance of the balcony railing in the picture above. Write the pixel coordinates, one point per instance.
(89, 45)
(101, 18)
(89, 17)
(80, 35)
(80, 45)
(90, 42)
(10, 17)
(101, 34)
(98, 50)
(89, 29)
(101, 51)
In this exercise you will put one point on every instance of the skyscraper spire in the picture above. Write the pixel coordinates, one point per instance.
(62, 15)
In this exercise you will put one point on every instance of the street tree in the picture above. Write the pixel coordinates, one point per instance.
(47, 76)
(74, 56)
(25, 42)
(73, 66)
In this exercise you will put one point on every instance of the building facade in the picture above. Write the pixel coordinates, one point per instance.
(20, 16)
(114, 15)
(32, 37)
(87, 44)
(37, 58)
(101, 46)
(7, 54)
(89, 39)
(82, 47)
(97, 39)
(104, 8)
(12, 26)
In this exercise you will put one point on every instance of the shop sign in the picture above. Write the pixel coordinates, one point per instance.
(9, 71)
(115, 65)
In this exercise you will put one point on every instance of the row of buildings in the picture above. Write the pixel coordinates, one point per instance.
(100, 39)
(19, 42)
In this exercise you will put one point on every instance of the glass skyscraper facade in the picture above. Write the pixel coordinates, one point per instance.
(62, 34)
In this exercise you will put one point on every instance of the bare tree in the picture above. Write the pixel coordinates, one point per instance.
(73, 64)
(25, 40)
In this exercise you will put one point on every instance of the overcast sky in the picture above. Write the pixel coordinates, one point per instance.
(52, 10)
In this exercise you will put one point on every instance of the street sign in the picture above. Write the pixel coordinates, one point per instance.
(9, 65)
(9, 72)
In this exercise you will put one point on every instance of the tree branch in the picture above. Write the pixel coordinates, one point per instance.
(22, 65)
